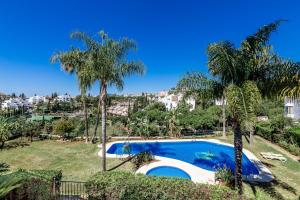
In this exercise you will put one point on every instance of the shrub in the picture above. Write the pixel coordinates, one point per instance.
(264, 130)
(125, 185)
(64, 127)
(225, 175)
(289, 139)
(35, 184)
(293, 135)
(141, 159)
(292, 148)
(48, 127)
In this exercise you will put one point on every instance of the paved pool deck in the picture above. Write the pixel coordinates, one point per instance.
(197, 174)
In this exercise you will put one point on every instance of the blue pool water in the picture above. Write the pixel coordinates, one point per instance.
(168, 172)
(203, 154)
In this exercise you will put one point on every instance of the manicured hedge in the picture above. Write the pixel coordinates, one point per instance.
(125, 185)
(35, 184)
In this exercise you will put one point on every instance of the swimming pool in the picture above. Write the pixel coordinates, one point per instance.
(203, 154)
(167, 171)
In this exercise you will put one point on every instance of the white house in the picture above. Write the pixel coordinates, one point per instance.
(36, 99)
(219, 102)
(63, 98)
(292, 108)
(171, 101)
(15, 103)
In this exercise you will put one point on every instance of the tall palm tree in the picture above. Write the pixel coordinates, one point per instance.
(253, 61)
(77, 62)
(243, 102)
(110, 65)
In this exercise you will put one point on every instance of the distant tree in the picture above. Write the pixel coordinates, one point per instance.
(48, 127)
(204, 90)
(32, 129)
(63, 127)
(173, 123)
(22, 96)
(4, 131)
(54, 95)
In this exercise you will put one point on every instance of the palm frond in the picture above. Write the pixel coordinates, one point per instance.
(224, 62)
(8, 184)
(88, 41)
(261, 37)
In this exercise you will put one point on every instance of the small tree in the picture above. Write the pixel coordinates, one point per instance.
(63, 127)
(32, 129)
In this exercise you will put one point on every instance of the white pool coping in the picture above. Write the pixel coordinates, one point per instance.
(197, 174)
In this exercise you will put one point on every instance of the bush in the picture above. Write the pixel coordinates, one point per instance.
(264, 130)
(292, 148)
(35, 184)
(64, 127)
(225, 175)
(141, 159)
(125, 185)
(293, 135)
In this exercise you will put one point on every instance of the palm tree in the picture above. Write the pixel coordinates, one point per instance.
(110, 65)
(243, 102)
(253, 61)
(173, 122)
(77, 61)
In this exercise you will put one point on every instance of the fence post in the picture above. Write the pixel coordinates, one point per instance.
(54, 187)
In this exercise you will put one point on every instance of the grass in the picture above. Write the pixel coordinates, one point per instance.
(287, 183)
(78, 161)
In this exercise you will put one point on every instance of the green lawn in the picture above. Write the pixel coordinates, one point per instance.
(287, 184)
(78, 161)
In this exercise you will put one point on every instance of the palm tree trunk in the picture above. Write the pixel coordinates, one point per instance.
(238, 150)
(224, 117)
(86, 125)
(251, 138)
(97, 116)
(103, 106)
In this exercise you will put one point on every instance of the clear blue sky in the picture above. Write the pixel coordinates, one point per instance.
(172, 36)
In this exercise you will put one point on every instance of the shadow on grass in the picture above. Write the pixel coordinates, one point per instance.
(268, 164)
(270, 188)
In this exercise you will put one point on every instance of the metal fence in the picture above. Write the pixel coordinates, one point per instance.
(71, 190)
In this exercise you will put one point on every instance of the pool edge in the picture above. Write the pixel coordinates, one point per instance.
(264, 173)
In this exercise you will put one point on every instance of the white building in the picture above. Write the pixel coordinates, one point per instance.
(171, 101)
(63, 98)
(219, 102)
(15, 103)
(292, 108)
(37, 99)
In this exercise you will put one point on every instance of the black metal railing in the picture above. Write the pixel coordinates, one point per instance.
(71, 190)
